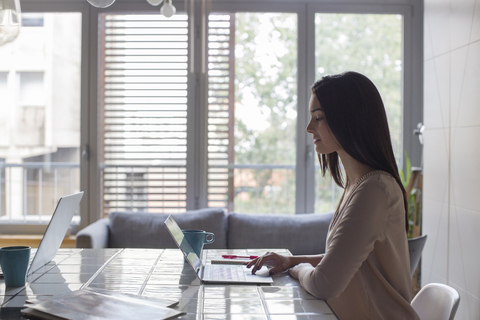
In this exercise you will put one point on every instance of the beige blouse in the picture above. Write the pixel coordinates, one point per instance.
(365, 272)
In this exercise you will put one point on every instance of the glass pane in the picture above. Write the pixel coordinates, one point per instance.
(31, 89)
(4, 111)
(366, 43)
(143, 107)
(253, 112)
(40, 118)
(32, 20)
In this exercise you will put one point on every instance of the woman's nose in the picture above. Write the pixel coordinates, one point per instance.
(308, 128)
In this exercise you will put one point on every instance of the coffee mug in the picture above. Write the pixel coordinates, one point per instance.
(197, 238)
(14, 262)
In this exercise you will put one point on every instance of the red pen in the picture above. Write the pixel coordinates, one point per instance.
(233, 256)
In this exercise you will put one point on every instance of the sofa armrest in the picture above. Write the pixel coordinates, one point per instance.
(94, 236)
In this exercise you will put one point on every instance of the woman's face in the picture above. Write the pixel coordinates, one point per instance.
(325, 142)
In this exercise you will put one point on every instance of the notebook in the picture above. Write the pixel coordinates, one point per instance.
(55, 232)
(214, 273)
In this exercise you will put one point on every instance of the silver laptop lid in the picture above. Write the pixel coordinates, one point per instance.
(56, 230)
(182, 243)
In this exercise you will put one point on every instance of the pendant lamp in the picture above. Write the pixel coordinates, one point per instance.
(101, 3)
(10, 20)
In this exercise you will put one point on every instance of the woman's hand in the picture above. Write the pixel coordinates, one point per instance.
(278, 263)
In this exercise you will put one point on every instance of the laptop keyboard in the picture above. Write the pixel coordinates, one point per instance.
(226, 272)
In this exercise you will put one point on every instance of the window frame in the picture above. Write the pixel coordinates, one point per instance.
(412, 95)
(412, 12)
(412, 79)
(87, 216)
(282, 7)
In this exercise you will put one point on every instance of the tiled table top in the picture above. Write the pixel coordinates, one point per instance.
(162, 274)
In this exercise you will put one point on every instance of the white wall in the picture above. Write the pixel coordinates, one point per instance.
(452, 149)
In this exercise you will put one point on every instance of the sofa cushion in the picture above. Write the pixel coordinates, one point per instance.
(301, 233)
(147, 230)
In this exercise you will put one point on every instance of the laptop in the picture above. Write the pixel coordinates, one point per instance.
(55, 232)
(214, 273)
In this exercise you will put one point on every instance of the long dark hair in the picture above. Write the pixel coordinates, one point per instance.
(356, 116)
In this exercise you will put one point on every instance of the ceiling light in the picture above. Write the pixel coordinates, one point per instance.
(101, 3)
(10, 21)
(167, 9)
(154, 2)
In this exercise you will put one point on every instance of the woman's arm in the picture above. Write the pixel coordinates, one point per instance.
(280, 263)
(352, 238)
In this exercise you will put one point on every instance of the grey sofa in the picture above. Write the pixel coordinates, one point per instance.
(301, 234)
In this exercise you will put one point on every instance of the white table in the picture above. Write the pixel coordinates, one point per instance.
(162, 273)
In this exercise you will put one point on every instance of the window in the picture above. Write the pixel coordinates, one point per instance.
(40, 74)
(31, 89)
(143, 95)
(252, 111)
(225, 131)
(144, 107)
(370, 44)
(32, 20)
(4, 111)
(207, 108)
(30, 110)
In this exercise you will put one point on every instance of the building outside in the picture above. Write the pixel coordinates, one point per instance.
(39, 117)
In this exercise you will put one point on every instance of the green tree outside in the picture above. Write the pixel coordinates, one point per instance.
(266, 80)
(269, 80)
(366, 43)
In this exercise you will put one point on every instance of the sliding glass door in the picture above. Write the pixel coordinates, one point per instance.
(208, 108)
(252, 111)
(371, 44)
(40, 74)
(143, 88)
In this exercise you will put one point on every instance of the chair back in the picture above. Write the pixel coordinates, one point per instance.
(415, 248)
(436, 301)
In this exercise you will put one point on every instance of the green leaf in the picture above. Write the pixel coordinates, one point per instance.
(408, 167)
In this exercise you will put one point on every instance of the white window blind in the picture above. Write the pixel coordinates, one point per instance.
(143, 108)
(221, 103)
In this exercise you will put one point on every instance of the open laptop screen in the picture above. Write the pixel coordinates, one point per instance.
(56, 230)
(183, 244)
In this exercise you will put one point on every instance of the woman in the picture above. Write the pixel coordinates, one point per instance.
(364, 273)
